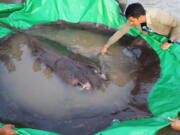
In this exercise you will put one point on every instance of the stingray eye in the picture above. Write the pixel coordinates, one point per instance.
(104, 77)
(95, 71)
(87, 86)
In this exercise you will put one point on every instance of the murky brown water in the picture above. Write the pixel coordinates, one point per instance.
(34, 96)
(20, 71)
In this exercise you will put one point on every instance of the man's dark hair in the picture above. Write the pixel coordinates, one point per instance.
(135, 10)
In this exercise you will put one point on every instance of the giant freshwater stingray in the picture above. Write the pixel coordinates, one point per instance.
(72, 68)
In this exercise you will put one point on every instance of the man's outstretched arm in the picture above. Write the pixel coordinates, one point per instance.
(116, 36)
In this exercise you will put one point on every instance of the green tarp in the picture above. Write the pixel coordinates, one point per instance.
(7, 9)
(163, 100)
(36, 12)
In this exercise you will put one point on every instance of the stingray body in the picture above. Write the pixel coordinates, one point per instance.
(74, 69)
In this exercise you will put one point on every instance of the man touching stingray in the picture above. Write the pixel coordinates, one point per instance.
(154, 20)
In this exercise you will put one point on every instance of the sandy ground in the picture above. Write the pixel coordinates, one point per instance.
(171, 6)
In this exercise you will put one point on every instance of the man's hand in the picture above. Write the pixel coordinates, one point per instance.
(104, 49)
(176, 124)
(165, 45)
(7, 130)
